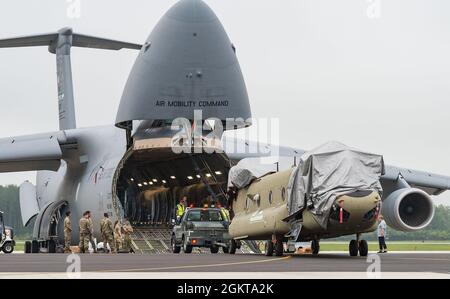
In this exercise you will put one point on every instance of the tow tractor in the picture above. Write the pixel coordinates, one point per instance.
(201, 227)
(7, 242)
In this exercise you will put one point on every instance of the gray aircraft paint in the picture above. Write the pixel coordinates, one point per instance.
(189, 61)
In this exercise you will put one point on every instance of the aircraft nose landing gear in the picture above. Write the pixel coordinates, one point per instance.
(275, 245)
(315, 247)
(358, 246)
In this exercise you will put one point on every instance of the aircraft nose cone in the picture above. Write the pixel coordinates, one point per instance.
(187, 64)
(192, 11)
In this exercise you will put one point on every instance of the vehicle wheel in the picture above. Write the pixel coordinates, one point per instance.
(269, 248)
(175, 247)
(353, 248)
(8, 248)
(279, 249)
(187, 248)
(226, 249)
(315, 247)
(232, 247)
(363, 248)
(214, 249)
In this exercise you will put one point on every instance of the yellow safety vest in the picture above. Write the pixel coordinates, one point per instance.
(180, 210)
(226, 214)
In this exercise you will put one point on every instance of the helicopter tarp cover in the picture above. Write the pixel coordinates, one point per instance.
(328, 172)
(247, 170)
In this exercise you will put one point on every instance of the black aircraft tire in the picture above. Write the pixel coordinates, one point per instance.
(34, 246)
(363, 248)
(214, 249)
(51, 246)
(27, 248)
(233, 246)
(353, 248)
(226, 249)
(269, 248)
(315, 247)
(279, 248)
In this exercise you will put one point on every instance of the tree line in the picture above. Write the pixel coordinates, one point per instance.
(9, 204)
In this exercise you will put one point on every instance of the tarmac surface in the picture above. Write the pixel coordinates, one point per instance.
(438, 263)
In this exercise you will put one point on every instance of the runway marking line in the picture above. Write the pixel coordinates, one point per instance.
(198, 266)
(163, 268)
(424, 259)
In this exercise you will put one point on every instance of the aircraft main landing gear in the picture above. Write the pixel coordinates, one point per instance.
(358, 246)
(363, 248)
(353, 248)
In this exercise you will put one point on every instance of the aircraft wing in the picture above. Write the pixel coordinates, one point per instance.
(433, 184)
(79, 40)
(33, 152)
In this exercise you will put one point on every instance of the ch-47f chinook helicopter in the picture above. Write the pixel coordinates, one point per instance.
(334, 191)
(130, 169)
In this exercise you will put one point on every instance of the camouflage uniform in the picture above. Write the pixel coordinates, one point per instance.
(91, 235)
(67, 234)
(85, 234)
(107, 231)
(118, 236)
(127, 229)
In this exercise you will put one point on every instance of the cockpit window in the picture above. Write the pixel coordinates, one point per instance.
(205, 215)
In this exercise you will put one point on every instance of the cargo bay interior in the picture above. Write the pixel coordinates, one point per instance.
(152, 181)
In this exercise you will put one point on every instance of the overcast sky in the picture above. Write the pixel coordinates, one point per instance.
(329, 70)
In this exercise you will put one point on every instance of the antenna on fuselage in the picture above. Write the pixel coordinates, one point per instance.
(60, 44)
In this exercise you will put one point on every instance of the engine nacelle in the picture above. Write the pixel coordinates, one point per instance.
(408, 209)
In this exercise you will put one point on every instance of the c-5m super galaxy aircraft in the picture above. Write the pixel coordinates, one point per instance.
(130, 169)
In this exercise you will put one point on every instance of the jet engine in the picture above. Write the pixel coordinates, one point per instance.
(408, 209)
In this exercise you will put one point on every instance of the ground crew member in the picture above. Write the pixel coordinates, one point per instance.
(118, 235)
(208, 202)
(381, 232)
(127, 230)
(67, 233)
(225, 214)
(91, 236)
(181, 208)
(107, 231)
(85, 232)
